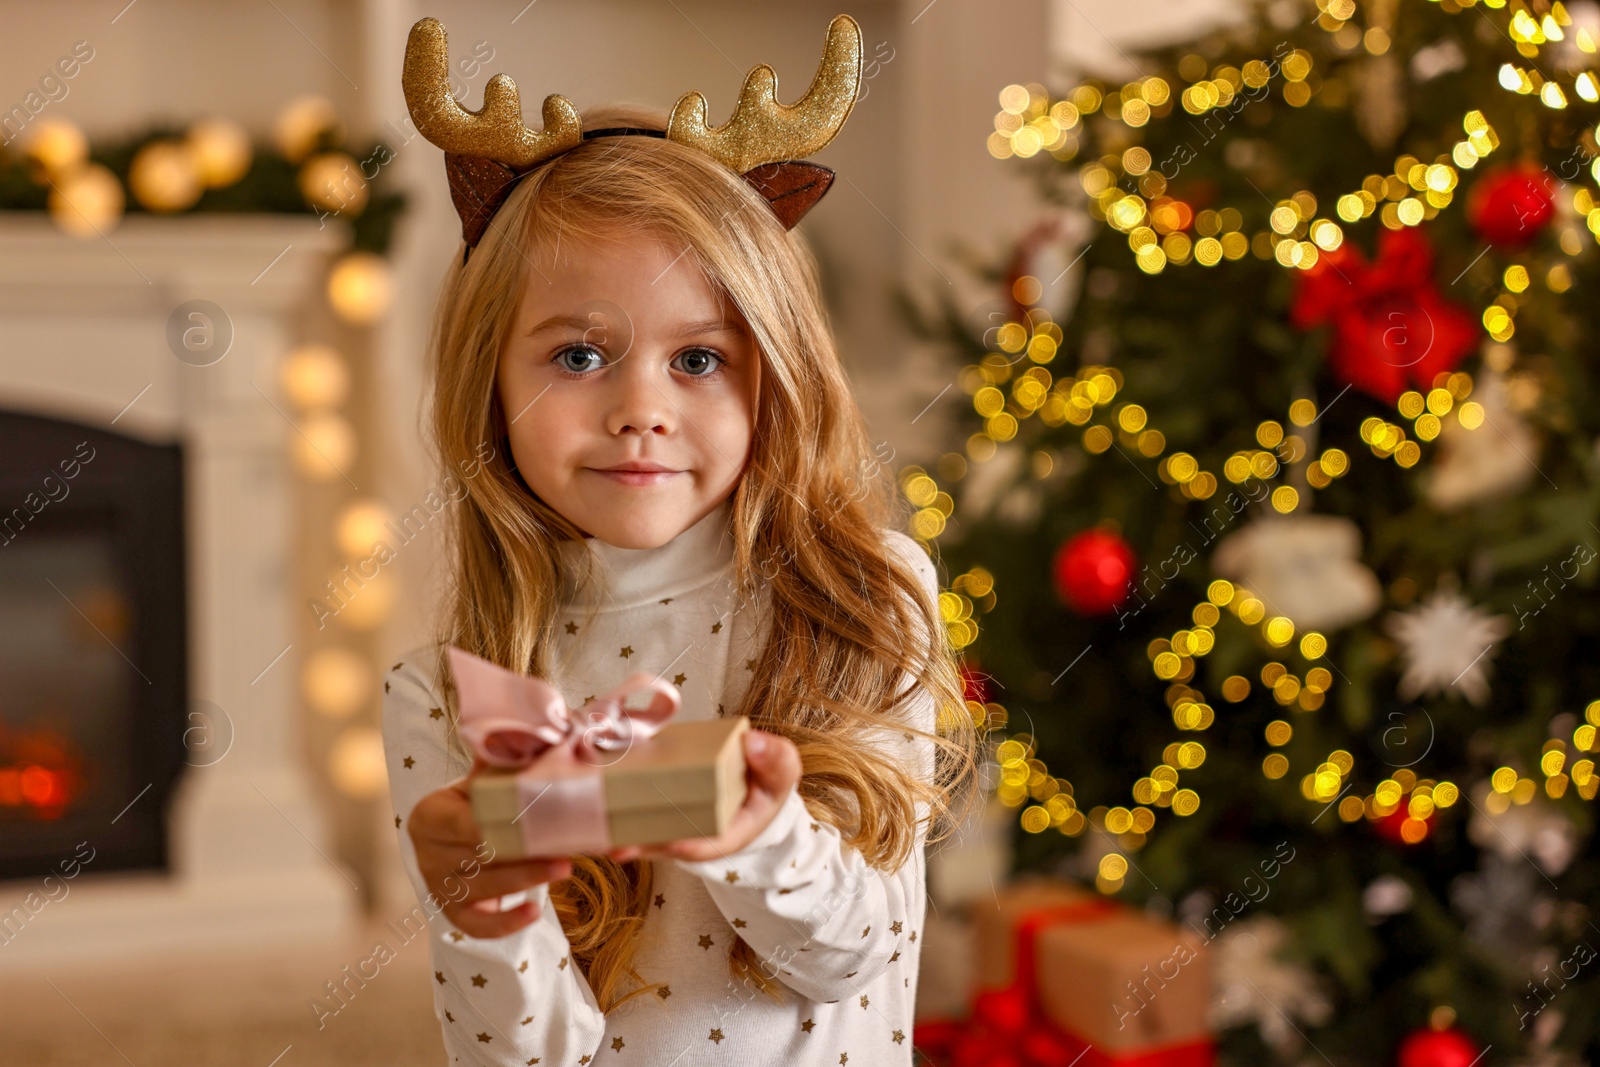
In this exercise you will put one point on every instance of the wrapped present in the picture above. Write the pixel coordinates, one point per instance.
(1067, 977)
(559, 782)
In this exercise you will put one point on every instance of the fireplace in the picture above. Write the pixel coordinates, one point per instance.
(155, 799)
(93, 654)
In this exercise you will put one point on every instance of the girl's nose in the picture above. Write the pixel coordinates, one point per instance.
(640, 404)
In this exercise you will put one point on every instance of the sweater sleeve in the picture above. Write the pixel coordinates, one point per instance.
(823, 921)
(501, 1002)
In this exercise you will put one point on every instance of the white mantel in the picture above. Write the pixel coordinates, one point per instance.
(83, 332)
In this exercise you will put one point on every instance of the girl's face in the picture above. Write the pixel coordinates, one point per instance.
(629, 388)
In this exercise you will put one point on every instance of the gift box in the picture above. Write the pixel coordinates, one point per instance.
(685, 781)
(553, 781)
(1068, 977)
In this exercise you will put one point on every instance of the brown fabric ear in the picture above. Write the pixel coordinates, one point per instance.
(477, 188)
(791, 188)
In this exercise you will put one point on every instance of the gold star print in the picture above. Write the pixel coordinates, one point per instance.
(533, 1061)
(447, 1015)
(731, 877)
(409, 761)
(664, 992)
(386, 686)
(522, 967)
(749, 664)
(899, 1037)
(844, 1057)
(808, 1024)
(863, 1000)
(705, 941)
(589, 698)
(584, 1059)
(616, 1044)
(528, 1020)
(627, 650)
(479, 981)
(716, 627)
(661, 898)
(484, 1037)
(913, 935)
(740, 924)
(867, 931)
(668, 600)
(397, 822)
(715, 1036)
(435, 713)
(816, 827)
(721, 710)
(572, 627)
(895, 956)
(896, 926)
(679, 679)
(456, 935)
(439, 977)
(852, 974)
(396, 667)
(563, 964)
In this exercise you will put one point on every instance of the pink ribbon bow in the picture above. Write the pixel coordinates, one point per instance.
(515, 721)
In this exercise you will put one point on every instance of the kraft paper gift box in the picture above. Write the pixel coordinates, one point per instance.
(1101, 973)
(1124, 982)
(685, 781)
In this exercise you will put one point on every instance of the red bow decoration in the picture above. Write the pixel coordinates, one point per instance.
(1391, 324)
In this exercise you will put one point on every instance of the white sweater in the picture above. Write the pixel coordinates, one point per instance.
(843, 934)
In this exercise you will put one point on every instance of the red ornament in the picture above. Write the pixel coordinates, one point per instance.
(974, 683)
(1438, 1048)
(1510, 205)
(1093, 571)
(1389, 826)
(1391, 325)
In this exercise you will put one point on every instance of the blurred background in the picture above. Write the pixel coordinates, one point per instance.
(1098, 270)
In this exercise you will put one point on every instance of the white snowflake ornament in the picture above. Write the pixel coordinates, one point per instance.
(1253, 984)
(1492, 460)
(1305, 567)
(1445, 645)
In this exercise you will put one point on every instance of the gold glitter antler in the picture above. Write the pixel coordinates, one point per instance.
(496, 131)
(765, 131)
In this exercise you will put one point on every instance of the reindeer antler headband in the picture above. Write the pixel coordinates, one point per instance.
(489, 150)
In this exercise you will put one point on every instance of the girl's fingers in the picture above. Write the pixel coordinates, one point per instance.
(476, 923)
(774, 761)
(499, 880)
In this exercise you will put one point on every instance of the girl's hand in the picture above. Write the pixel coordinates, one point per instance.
(772, 770)
(447, 840)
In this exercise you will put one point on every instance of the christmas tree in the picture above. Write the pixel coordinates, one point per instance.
(1273, 542)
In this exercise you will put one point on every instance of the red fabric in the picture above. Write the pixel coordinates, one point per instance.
(1391, 324)
(1007, 1027)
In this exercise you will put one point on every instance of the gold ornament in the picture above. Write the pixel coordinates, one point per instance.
(164, 176)
(332, 182)
(314, 376)
(360, 288)
(87, 202)
(301, 124)
(57, 145)
(221, 151)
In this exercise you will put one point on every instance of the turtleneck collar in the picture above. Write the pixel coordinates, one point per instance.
(630, 577)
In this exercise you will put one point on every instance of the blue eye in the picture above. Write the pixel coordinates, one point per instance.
(700, 362)
(576, 358)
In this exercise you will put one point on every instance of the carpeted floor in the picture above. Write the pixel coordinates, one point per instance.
(257, 1011)
(226, 1012)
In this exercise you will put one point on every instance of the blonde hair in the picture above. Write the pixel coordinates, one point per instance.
(850, 625)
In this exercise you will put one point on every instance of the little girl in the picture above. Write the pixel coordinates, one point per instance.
(681, 483)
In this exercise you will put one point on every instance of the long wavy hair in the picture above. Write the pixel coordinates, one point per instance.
(850, 633)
